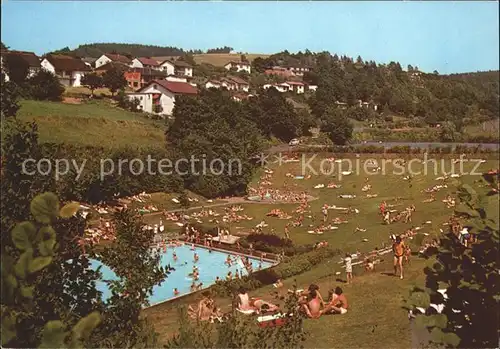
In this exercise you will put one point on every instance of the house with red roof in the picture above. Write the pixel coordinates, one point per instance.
(29, 59)
(145, 62)
(158, 97)
(177, 68)
(69, 70)
(111, 57)
(296, 86)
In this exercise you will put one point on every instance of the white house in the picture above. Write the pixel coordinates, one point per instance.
(296, 86)
(179, 68)
(161, 93)
(312, 87)
(145, 62)
(240, 84)
(176, 78)
(109, 57)
(68, 69)
(239, 66)
(213, 84)
(283, 87)
(167, 66)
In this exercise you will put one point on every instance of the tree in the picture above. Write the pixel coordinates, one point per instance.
(8, 98)
(184, 200)
(337, 126)
(46, 86)
(138, 270)
(469, 275)
(92, 81)
(114, 80)
(17, 68)
(36, 245)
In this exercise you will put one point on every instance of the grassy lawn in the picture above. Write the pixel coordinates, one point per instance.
(84, 91)
(91, 123)
(376, 317)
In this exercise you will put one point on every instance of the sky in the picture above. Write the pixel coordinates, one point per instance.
(446, 36)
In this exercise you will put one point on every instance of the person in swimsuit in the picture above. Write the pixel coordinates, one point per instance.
(261, 305)
(338, 303)
(398, 248)
(244, 300)
(312, 308)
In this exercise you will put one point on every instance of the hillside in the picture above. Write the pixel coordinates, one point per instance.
(134, 50)
(220, 59)
(91, 123)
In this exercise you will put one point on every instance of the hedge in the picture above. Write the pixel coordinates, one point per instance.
(287, 268)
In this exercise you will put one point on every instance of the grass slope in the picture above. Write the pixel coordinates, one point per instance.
(91, 123)
(376, 317)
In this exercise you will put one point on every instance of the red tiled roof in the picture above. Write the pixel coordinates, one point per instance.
(148, 61)
(238, 80)
(175, 87)
(67, 63)
(29, 57)
(111, 65)
(182, 64)
(297, 83)
(118, 58)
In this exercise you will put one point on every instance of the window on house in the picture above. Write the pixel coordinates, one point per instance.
(155, 86)
(140, 98)
(136, 84)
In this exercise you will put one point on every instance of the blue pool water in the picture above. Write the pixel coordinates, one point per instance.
(210, 265)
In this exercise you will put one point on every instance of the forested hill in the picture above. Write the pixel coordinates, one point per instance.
(133, 50)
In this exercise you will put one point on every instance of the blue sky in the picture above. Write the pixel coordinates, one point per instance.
(445, 36)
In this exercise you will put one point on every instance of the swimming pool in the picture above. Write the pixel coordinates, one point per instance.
(210, 265)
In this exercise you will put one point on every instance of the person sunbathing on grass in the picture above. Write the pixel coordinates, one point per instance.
(261, 306)
(337, 303)
(206, 309)
(312, 307)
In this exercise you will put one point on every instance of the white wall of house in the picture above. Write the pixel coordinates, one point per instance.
(136, 63)
(228, 85)
(47, 66)
(239, 67)
(101, 61)
(167, 99)
(32, 71)
(187, 71)
(244, 88)
(145, 101)
(168, 68)
(175, 78)
(77, 76)
(313, 87)
(299, 89)
(211, 84)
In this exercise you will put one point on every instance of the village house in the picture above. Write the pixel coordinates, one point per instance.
(177, 79)
(240, 84)
(159, 96)
(111, 65)
(89, 61)
(239, 66)
(69, 70)
(213, 84)
(148, 75)
(133, 79)
(297, 86)
(279, 71)
(240, 96)
(110, 57)
(145, 62)
(312, 87)
(178, 68)
(29, 58)
(283, 87)
(297, 70)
